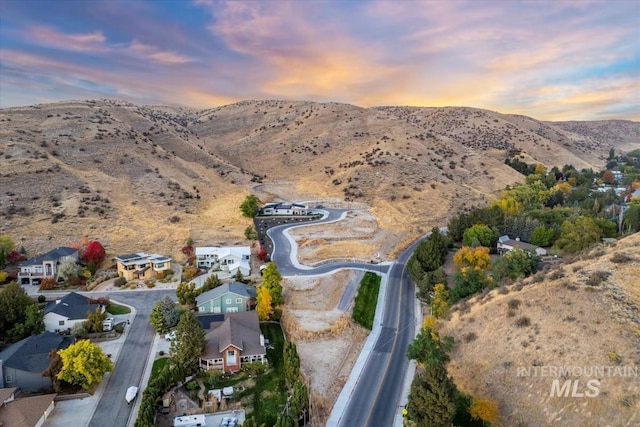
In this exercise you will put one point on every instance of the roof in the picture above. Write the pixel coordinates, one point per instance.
(26, 411)
(221, 251)
(284, 206)
(52, 255)
(32, 353)
(207, 319)
(141, 258)
(519, 244)
(72, 306)
(234, 287)
(6, 393)
(240, 330)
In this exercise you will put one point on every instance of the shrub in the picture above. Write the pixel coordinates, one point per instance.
(523, 322)
(254, 368)
(615, 358)
(120, 281)
(133, 286)
(189, 273)
(620, 258)
(597, 277)
(514, 304)
(468, 337)
(3, 276)
(42, 299)
(47, 283)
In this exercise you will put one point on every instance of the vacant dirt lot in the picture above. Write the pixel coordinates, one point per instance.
(328, 342)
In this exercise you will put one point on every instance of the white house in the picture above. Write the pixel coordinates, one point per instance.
(33, 270)
(505, 244)
(66, 312)
(284, 209)
(230, 259)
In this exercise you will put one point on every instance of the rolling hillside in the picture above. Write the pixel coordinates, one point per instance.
(147, 177)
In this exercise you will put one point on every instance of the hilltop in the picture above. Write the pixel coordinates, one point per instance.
(148, 177)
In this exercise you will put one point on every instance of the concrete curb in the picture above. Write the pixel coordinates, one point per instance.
(143, 382)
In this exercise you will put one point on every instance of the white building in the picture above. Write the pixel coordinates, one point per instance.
(230, 259)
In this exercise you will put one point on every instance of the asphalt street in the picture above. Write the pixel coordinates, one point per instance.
(112, 410)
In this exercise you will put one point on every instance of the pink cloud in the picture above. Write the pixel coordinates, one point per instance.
(79, 42)
(155, 54)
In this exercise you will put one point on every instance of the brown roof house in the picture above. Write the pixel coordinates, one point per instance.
(26, 411)
(505, 244)
(233, 340)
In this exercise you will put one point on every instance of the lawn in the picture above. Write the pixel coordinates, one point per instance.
(364, 309)
(158, 364)
(118, 309)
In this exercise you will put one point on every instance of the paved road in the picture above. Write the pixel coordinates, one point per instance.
(376, 396)
(112, 410)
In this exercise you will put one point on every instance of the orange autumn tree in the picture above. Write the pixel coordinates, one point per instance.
(473, 257)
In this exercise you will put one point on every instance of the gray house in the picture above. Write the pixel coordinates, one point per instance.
(227, 298)
(22, 363)
(33, 270)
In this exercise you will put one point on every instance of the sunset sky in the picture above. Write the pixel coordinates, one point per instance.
(552, 60)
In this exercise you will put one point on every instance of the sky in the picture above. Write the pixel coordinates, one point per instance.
(551, 60)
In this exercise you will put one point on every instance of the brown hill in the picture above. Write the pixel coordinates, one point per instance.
(582, 316)
(147, 177)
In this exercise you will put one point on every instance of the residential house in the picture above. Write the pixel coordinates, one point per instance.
(230, 259)
(66, 312)
(24, 411)
(505, 244)
(232, 342)
(141, 265)
(22, 363)
(271, 209)
(33, 270)
(227, 298)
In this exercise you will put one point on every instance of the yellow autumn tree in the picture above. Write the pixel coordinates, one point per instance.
(474, 257)
(509, 205)
(564, 187)
(540, 169)
(84, 363)
(440, 303)
(485, 410)
(264, 308)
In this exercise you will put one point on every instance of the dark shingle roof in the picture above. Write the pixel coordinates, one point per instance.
(31, 354)
(72, 306)
(207, 319)
(241, 330)
(52, 255)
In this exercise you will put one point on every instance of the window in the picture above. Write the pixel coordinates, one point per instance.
(232, 309)
(238, 300)
(228, 300)
(8, 378)
(61, 323)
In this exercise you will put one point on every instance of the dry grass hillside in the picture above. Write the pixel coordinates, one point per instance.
(147, 177)
(583, 313)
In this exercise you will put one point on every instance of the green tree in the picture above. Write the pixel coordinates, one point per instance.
(428, 281)
(95, 319)
(427, 348)
(188, 344)
(264, 308)
(479, 235)
(467, 282)
(291, 362)
(250, 233)
(543, 235)
(299, 400)
(84, 363)
(577, 235)
(514, 264)
(6, 246)
(432, 398)
(250, 206)
(631, 219)
(14, 302)
(212, 282)
(164, 315)
(187, 293)
(271, 279)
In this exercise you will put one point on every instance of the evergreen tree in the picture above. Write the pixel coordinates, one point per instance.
(164, 315)
(432, 399)
(188, 344)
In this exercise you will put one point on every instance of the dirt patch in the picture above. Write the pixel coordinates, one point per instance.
(327, 340)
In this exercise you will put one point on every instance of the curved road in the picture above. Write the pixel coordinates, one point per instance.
(375, 398)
